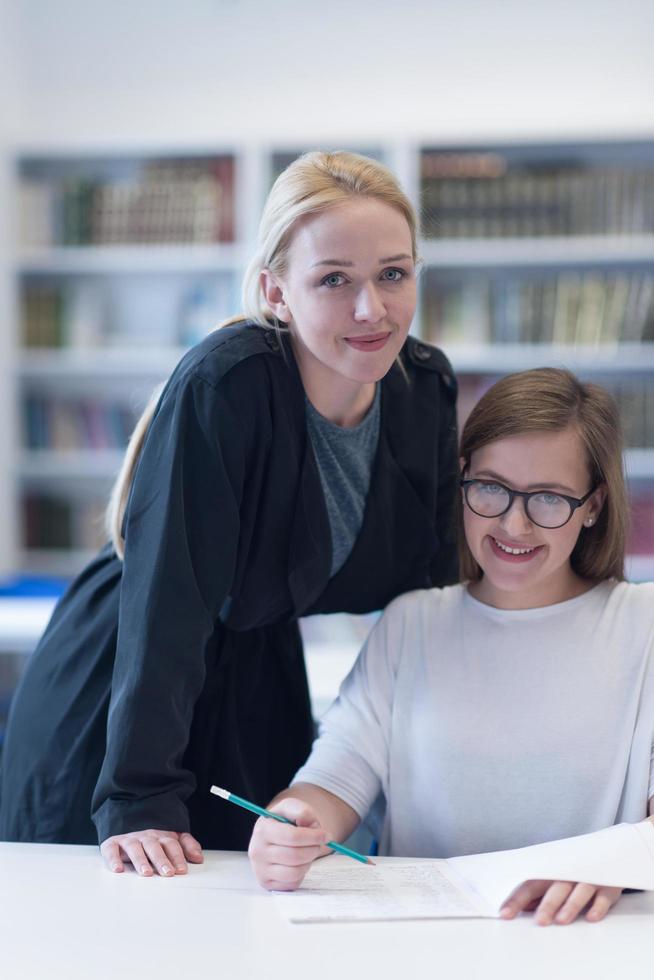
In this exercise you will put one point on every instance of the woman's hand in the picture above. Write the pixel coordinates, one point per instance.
(280, 853)
(560, 901)
(164, 851)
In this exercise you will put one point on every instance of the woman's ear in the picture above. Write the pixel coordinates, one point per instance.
(273, 291)
(594, 505)
(462, 466)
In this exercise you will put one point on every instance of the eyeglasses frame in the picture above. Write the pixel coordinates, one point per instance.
(574, 502)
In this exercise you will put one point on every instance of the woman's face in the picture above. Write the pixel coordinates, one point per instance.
(348, 293)
(540, 573)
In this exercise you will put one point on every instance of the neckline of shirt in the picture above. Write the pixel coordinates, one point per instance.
(349, 429)
(555, 609)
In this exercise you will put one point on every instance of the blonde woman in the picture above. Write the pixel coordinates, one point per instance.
(301, 459)
(517, 707)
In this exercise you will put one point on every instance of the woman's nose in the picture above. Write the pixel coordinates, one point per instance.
(515, 520)
(368, 305)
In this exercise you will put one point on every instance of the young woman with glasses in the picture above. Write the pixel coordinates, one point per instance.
(517, 707)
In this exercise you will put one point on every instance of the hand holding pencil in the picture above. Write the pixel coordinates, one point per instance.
(286, 840)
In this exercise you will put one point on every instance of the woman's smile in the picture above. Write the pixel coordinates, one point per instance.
(369, 342)
(513, 553)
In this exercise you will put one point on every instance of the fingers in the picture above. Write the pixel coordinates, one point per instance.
(192, 848)
(296, 810)
(281, 854)
(560, 902)
(281, 878)
(525, 897)
(149, 851)
(605, 899)
(110, 851)
(563, 902)
(166, 855)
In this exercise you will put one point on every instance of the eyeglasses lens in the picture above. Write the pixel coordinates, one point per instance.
(491, 500)
(548, 510)
(487, 499)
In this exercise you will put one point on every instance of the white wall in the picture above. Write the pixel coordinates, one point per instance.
(150, 71)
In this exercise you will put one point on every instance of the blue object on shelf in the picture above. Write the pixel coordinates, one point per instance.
(32, 587)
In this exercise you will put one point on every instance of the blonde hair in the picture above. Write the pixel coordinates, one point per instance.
(550, 399)
(311, 184)
(115, 512)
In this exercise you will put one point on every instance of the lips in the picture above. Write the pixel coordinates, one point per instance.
(514, 553)
(369, 342)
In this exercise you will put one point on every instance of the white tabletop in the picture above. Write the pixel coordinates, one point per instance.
(63, 916)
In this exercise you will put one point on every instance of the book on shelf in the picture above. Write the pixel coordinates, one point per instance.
(62, 424)
(83, 313)
(582, 308)
(53, 523)
(492, 195)
(163, 202)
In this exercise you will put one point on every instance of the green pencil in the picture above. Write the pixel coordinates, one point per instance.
(259, 810)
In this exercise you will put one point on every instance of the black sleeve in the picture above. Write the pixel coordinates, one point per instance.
(445, 569)
(181, 538)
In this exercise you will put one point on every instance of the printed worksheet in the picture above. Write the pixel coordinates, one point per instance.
(334, 891)
(475, 885)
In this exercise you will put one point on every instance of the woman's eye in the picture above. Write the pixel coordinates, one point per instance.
(393, 275)
(549, 499)
(491, 488)
(333, 279)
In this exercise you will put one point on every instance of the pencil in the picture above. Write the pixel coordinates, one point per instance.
(259, 810)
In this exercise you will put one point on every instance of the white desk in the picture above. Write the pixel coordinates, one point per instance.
(63, 917)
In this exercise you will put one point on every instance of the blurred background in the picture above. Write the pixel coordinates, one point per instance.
(138, 141)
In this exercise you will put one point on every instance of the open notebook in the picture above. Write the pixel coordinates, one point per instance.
(477, 885)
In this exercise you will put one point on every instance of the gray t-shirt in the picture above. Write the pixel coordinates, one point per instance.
(344, 457)
(488, 729)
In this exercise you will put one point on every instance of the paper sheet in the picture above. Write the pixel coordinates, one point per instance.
(622, 855)
(470, 886)
(334, 892)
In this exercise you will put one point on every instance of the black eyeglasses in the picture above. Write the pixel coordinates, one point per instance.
(487, 498)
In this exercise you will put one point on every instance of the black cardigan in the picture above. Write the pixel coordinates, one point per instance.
(189, 651)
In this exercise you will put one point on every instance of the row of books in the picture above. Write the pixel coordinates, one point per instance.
(54, 523)
(570, 308)
(71, 424)
(91, 313)
(483, 196)
(636, 403)
(167, 202)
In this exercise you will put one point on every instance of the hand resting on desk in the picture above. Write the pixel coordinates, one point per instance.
(164, 851)
(560, 902)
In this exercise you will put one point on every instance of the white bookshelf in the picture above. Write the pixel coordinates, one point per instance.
(102, 363)
(136, 259)
(540, 252)
(134, 350)
(600, 359)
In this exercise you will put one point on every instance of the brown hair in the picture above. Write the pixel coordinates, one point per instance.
(551, 399)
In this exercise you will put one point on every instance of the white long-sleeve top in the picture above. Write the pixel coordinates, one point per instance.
(488, 729)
